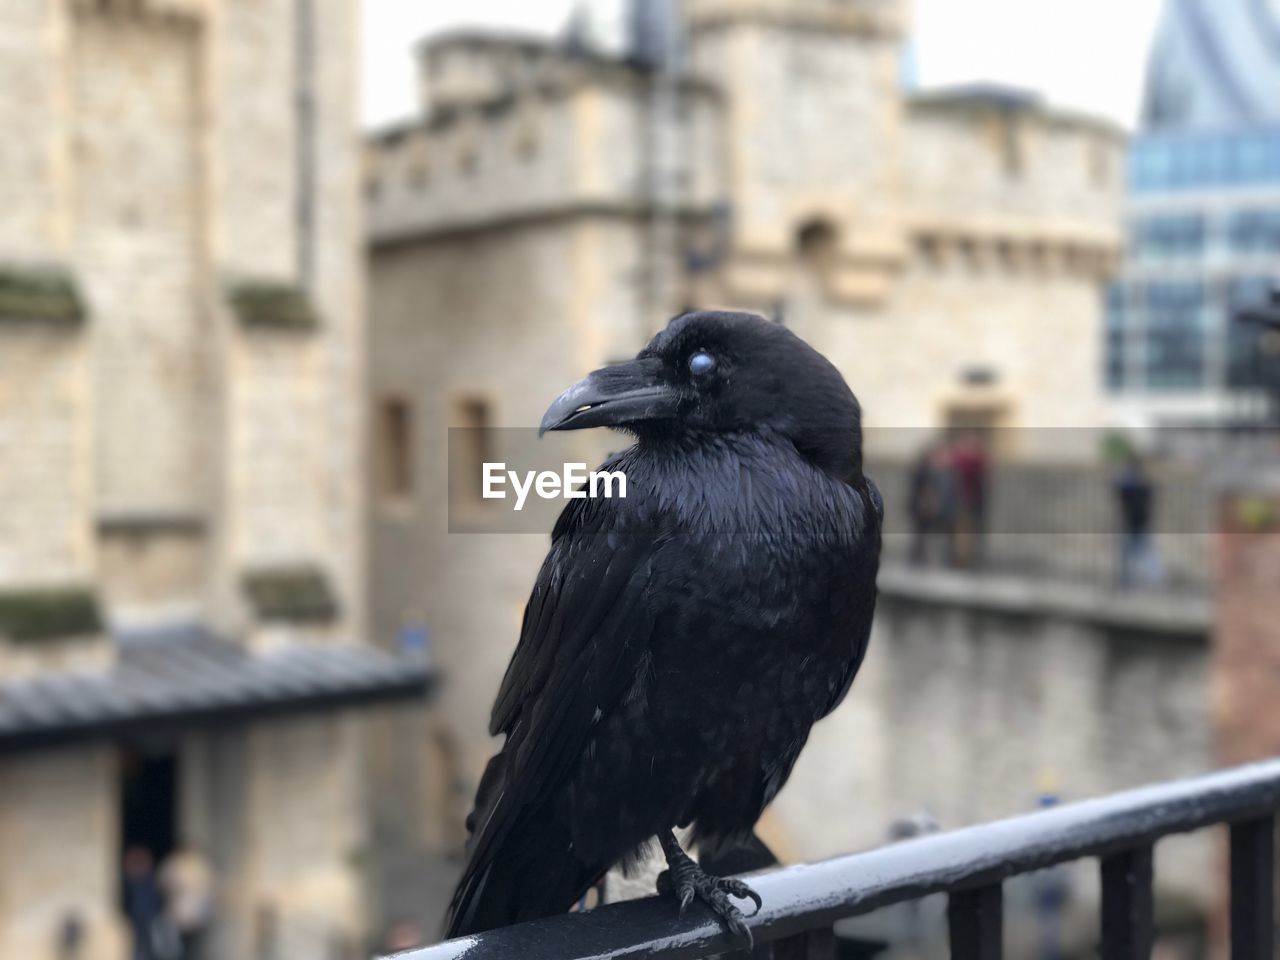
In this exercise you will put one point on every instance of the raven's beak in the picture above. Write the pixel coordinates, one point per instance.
(613, 397)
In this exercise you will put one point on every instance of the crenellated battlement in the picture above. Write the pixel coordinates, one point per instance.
(998, 176)
(570, 138)
(463, 67)
(881, 17)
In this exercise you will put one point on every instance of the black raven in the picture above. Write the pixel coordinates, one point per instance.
(679, 643)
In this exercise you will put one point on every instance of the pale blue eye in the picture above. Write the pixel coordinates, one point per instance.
(701, 362)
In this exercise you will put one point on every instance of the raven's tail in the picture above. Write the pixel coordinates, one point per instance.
(521, 863)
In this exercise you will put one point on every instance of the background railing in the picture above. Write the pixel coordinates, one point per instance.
(1060, 521)
(802, 903)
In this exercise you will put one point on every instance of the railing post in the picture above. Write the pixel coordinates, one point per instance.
(976, 921)
(817, 944)
(1253, 864)
(1128, 906)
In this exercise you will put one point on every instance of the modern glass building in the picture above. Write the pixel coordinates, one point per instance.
(1203, 214)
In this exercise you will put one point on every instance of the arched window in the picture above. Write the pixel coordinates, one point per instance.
(816, 244)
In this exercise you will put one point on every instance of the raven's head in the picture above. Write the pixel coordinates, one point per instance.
(715, 371)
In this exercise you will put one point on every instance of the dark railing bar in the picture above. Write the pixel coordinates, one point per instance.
(1253, 905)
(975, 918)
(813, 895)
(819, 944)
(1128, 906)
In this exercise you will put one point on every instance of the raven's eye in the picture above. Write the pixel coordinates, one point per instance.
(701, 362)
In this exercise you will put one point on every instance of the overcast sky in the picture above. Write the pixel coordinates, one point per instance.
(1084, 54)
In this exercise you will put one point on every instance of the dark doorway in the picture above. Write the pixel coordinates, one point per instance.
(148, 801)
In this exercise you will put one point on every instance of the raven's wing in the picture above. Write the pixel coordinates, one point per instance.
(585, 611)
(585, 630)
(862, 598)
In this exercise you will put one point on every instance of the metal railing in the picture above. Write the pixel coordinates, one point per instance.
(1060, 522)
(802, 903)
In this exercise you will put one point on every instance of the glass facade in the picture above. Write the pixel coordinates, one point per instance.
(1204, 161)
(1174, 354)
(1244, 291)
(1255, 232)
(1173, 237)
(1168, 236)
(1203, 241)
(1117, 343)
(1203, 219)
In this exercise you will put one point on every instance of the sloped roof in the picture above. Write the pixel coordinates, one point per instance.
(189, 677)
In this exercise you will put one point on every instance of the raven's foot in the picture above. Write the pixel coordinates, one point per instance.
(686, 880)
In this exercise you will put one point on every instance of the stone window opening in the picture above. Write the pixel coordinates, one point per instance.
(471, 446)
(1006, 255)
(1007, 141)
(1099, 165)
(468, 157)
(817, 244)
(527, 142)
(929, 247)
(527, 139)
(395, 450)
(419, 176)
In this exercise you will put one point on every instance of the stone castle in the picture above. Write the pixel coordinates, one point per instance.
(181, 579)
(553, 204)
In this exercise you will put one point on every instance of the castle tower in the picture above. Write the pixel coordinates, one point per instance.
(813, 130)
(181, 343)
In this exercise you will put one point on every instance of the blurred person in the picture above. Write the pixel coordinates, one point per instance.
(1135, 501)
(187, 886)
(932, 504)
(969, 462)
(153, 937)
(71, 937)
(1051, 888)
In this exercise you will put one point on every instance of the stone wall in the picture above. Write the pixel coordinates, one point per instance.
(58, 823)
(337, 282)
(522, 290)
(134, 99)
(158, 154)
(45, 448)
(548, 304)
(305, 835)
(552, 148)
(977, 697)
(293, 443)
(1027, 332)
(1017, 172)
(32, 35)
(164, 163)
(44, 431)
(252, 153)
(787, 92)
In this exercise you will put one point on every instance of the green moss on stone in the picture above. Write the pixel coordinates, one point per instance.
(42, 614)
(297, 594)
(276, 305)
(39, 293)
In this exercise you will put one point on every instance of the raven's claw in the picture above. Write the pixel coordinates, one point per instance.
(686, 880)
